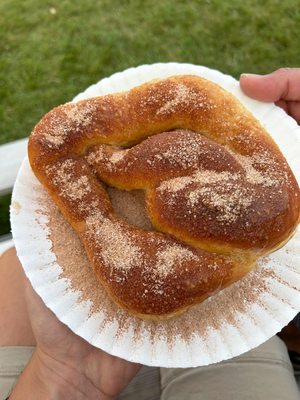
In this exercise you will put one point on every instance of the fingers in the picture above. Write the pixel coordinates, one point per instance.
(283, 84)
(293, 109)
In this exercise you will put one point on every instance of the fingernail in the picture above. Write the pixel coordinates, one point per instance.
(249, 74)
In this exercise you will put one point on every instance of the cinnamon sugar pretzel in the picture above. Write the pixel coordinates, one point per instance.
(218, 191)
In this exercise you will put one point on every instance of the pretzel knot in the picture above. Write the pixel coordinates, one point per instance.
(218, 191)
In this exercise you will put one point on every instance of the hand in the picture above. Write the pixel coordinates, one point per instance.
(66, 366)
(281, 87)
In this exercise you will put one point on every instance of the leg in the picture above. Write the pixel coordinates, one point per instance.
(260, 374)
(15, 329)
(16, 338)
(144, 386)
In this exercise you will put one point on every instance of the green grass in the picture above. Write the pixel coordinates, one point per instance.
(47, 58)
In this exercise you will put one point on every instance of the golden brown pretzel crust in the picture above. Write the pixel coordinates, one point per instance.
(218, 190)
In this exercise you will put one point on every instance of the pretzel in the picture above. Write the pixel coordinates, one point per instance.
(218, 191)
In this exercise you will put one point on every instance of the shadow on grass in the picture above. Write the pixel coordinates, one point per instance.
(4, 214)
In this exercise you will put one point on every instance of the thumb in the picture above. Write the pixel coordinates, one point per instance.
(41, 317)
(281, 84)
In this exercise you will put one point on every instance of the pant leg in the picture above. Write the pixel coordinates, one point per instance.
(13, 360)
(261, 374)
(144, 386)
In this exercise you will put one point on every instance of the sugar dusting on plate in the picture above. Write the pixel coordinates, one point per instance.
(211, 314)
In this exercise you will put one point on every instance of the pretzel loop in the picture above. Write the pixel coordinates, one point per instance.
(218, 191)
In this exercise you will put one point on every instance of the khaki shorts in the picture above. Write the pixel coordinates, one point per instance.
(264, 373)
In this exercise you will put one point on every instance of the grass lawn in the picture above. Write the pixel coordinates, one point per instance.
(52, 50)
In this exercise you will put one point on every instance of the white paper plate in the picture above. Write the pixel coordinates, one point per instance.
(215, 330)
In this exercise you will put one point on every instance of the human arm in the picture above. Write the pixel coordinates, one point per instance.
(66, 366)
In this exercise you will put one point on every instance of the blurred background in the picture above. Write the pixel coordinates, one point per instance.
(52, 50)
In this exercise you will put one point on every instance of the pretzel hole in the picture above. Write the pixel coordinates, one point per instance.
(130, 206)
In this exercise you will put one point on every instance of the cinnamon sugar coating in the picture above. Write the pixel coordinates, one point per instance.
(219, 193)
